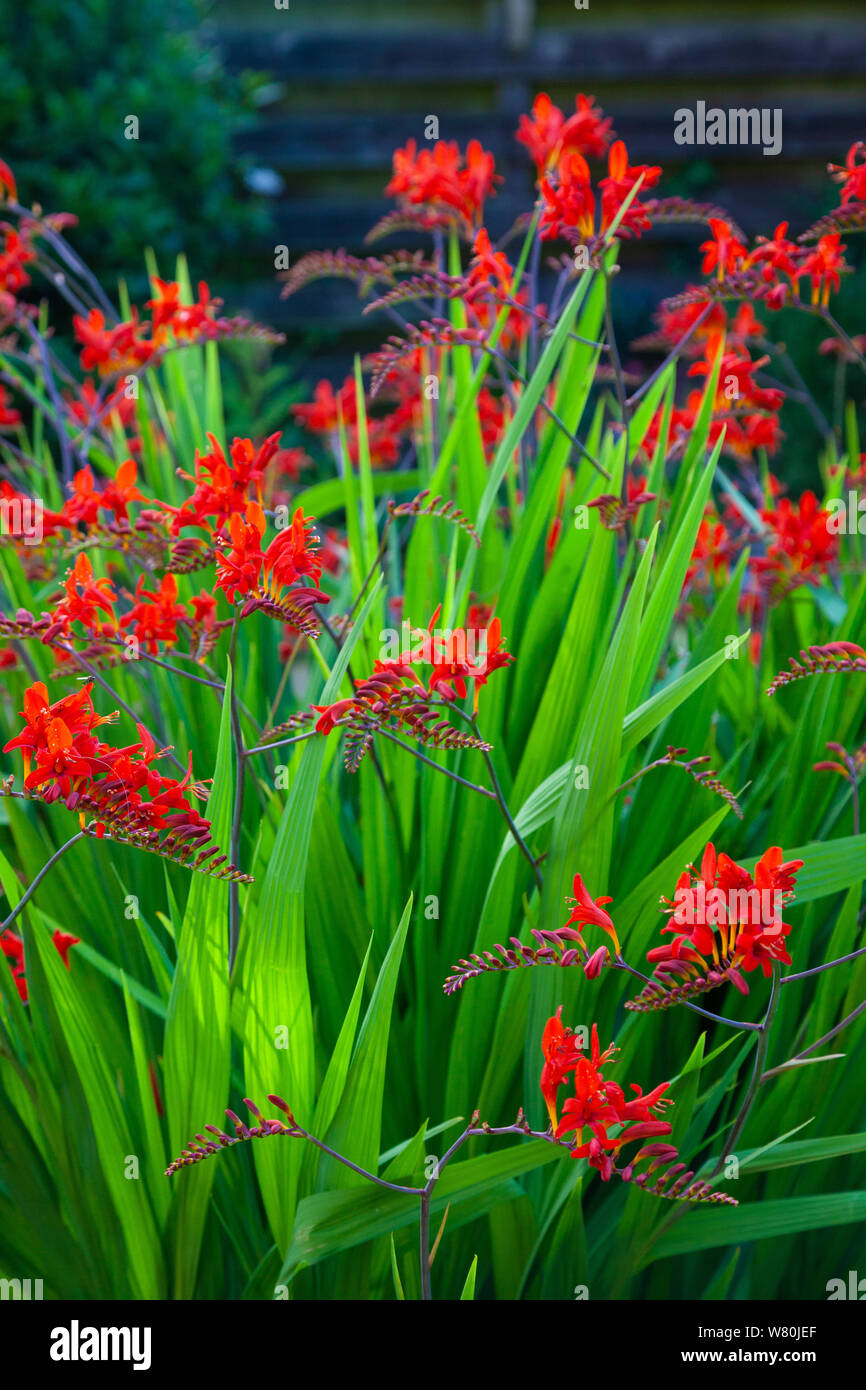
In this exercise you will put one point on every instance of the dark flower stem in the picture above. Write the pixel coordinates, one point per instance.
(840, 333)
(279, 743)
(828, 965)
(739, 1124)
(422, 757)
(509, 819)
(176, 670)
(849, 1018)
(371, 1177)
(671, 357)
(757, 1074)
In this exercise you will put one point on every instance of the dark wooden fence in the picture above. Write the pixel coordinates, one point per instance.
(349, 83)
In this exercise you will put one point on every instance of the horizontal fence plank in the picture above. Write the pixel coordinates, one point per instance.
(661, 50)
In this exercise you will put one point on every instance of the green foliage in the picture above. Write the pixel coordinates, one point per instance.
(73, 78)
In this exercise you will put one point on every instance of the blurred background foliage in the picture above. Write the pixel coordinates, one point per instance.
(72, 75)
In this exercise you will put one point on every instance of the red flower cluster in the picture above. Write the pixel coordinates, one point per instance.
(597, 1104)
(222, 485)
(727, 922)
(131, 344)
(266, 577)
(444, 181)
(800, 547)
(547, 133)
(64, 761)
(465, 654)
(13, 949)
(781, 264)
(568, 200)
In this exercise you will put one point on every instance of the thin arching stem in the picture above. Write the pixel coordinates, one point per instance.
(28, 894)
(754, 1085)
(817, 969)
(849, 1018)
(422, 757)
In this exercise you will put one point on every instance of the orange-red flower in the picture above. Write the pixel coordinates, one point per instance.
(619, 183)
(852, 175)
(725, 922)
(561, 1055)
(155, 614)
(598, 1104)
(568, 202)
(442, 178)
(823, 265)
(546, 133)
(799, 545)
(723, 253)
(13, 949)
(589, 911)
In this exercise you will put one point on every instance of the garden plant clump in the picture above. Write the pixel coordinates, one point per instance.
(531, 667)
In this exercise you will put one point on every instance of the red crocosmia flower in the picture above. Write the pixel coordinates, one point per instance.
(323, 414)
(540, 132)
(561, 1055)
(568, 202)
(711, 556)
(86, 597)
(745, 326)
(799, 547)
(726, 922)
(74, 711)
(464, 654)
(63, 760)
(723, 253)
(238, 568)
(674, 323)
(82, 506)
(589, 911)
(619, 183)
(204, 607)
(852, 175)
(588, 130)
(546, 132)
(293, 555)
(222, 485)
(10, 418)
(121, 490)
(329, 715)
(110, 350)
(165, 303)
(598, 1104)
(7, 181)
(442, 178)
(778, 254)
(154, 616)
(13, 949)
(488, 265)
(16, 254)
(823, 266)
(64, 941)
